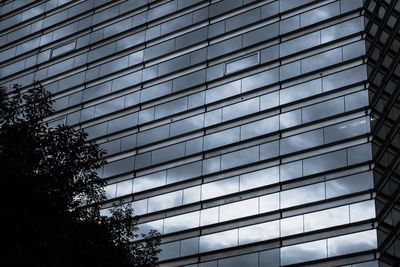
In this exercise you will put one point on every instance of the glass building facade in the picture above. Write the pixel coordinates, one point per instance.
(248, 133)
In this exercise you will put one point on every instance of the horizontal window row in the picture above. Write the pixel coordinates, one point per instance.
(330, 247)
(253, 206)
(151, 71)
(270, 258)
(287, 171)
(246, 131)
(274, 202)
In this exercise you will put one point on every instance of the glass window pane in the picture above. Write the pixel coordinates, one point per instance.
(165, 201)
(209, 216)
(325, 162)
(305, 194)
(221, 138)
(326, 218)
(350, 184)
(259, 232)
(292, 225)
(219, 240)
(182, 222)
(303, 252)
(149, 181)
(219, 188)
(259, 178)
(362, 211)
(351, 243)
(260, 127)
(124, 188)
(301, 141)
(240, 157)
(250, 260)
(238, 209)
(269, 203)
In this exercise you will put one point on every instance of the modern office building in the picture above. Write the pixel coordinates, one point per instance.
(249, 133)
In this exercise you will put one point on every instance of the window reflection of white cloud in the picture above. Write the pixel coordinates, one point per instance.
(292, 225)
(269, 203)
(303, 252)
(165, 201)
(362, 210)
(351, 243)
(209, 216)
(259, 232)
(326, 218)
(302, 195)
(149, 181)
(349, 184)
(259, 178)
(182, 222)
(239, 209)
(219, 188)
(219, 240)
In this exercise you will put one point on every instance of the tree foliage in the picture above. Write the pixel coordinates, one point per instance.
(51, 194)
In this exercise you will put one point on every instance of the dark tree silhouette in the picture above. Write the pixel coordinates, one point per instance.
(50, 194)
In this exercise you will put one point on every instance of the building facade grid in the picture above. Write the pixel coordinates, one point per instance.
(248, 133)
